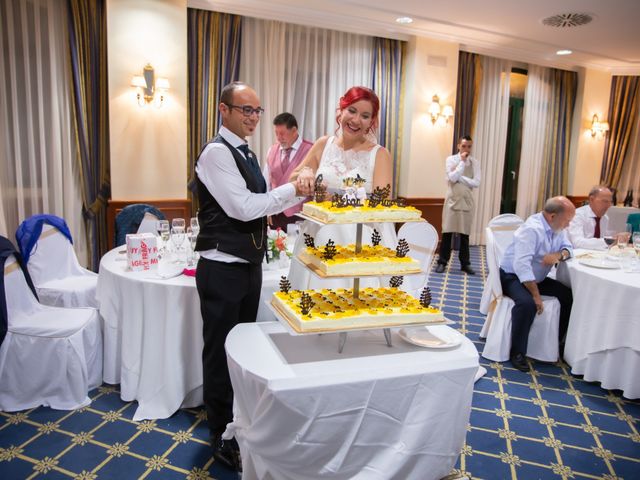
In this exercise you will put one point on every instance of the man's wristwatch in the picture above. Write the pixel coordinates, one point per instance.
(564, 255)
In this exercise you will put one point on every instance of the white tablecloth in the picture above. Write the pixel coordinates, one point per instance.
(603, 340)
(153, 335)
(618, 217)
(303, 410)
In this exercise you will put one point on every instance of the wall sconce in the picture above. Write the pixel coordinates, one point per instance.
(150, 88)
(440, 115)
(598, 128)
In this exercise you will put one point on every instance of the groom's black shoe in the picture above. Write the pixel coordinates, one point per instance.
(226, 452)
(440, 267)
(519, 362)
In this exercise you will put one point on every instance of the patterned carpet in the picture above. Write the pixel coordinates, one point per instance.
(546, 424)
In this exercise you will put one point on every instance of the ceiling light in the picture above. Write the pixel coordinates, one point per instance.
(564, 52)
(404, 20)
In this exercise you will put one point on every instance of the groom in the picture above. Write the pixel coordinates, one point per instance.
(232, 243)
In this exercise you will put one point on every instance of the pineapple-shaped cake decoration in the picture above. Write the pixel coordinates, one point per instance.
(319, 189)
(285, 284)
(309, 241)
(396, 281)
(402, 249)
(375, 238)
(306, 303)
(425, 297)
(329, 250)
(379, 195)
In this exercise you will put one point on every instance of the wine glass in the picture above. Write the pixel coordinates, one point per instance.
(163, 231)
(192, 237)
(177, 237)
(195, 226)
(636, 242)
(178, 222)
(609, 238)
(623, 237)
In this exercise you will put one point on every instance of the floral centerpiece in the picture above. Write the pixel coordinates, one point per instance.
(277, 245)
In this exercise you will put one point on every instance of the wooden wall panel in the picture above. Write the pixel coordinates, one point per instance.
(578, 200)
(431, 209)
(180, 208)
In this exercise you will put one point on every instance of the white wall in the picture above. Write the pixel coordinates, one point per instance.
(432, 69)
(585, 155)
(148, 145)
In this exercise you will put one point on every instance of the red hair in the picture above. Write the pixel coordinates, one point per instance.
(355, 94)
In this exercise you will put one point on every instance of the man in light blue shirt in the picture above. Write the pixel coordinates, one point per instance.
(537, 245)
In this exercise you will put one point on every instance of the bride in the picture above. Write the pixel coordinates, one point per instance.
(352, 151)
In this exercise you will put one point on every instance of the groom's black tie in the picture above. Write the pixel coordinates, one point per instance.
(252, 161)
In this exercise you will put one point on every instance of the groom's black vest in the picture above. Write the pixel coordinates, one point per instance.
(246, 240)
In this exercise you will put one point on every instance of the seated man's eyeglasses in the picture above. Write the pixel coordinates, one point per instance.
(247, 110)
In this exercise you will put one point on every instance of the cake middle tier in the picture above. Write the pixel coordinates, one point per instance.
(371, 260)
(335, 309)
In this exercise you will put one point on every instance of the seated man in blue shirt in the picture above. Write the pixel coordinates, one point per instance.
(537, 245)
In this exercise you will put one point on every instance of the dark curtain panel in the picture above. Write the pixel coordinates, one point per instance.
(213, 57)
(623, 110)
(555, 173)
(387, 82)
(467, 90)
(88, 50)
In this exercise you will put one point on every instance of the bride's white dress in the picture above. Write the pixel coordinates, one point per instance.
(335, 165)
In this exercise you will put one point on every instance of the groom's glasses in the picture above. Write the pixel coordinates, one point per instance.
(247, 110)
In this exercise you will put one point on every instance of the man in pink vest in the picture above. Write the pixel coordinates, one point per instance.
(282, 159)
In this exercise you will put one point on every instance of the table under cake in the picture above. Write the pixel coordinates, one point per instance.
(376, 409)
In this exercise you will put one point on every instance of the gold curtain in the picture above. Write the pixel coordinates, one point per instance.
(623, 110)
(214, 61)
(388, 83)
(90, 110)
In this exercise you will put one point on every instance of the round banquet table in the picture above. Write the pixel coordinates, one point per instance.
(603, 339)
(153, 334)
(303, 410)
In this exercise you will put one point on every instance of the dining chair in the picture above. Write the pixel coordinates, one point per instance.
(130, 218)
(543, 337)
(502, 229)
(50, 356)
(422, 238)
(59, 278)
(633, 219)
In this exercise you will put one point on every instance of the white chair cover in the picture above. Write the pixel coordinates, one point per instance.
(57, 275)
(422, 238)
(50, 356)
(502, 229)
(148, 224)
(543, 336)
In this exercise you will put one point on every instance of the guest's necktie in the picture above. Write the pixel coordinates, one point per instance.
(286, 157)
(252, 161)
(596, 232)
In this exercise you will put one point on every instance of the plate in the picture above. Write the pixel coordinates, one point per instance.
(431, 337)
(599, 263)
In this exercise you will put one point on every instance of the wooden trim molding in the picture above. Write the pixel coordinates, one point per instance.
(172, 208)
(431, 209)
(578, 200)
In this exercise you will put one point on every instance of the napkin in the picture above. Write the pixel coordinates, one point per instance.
(189, 272)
